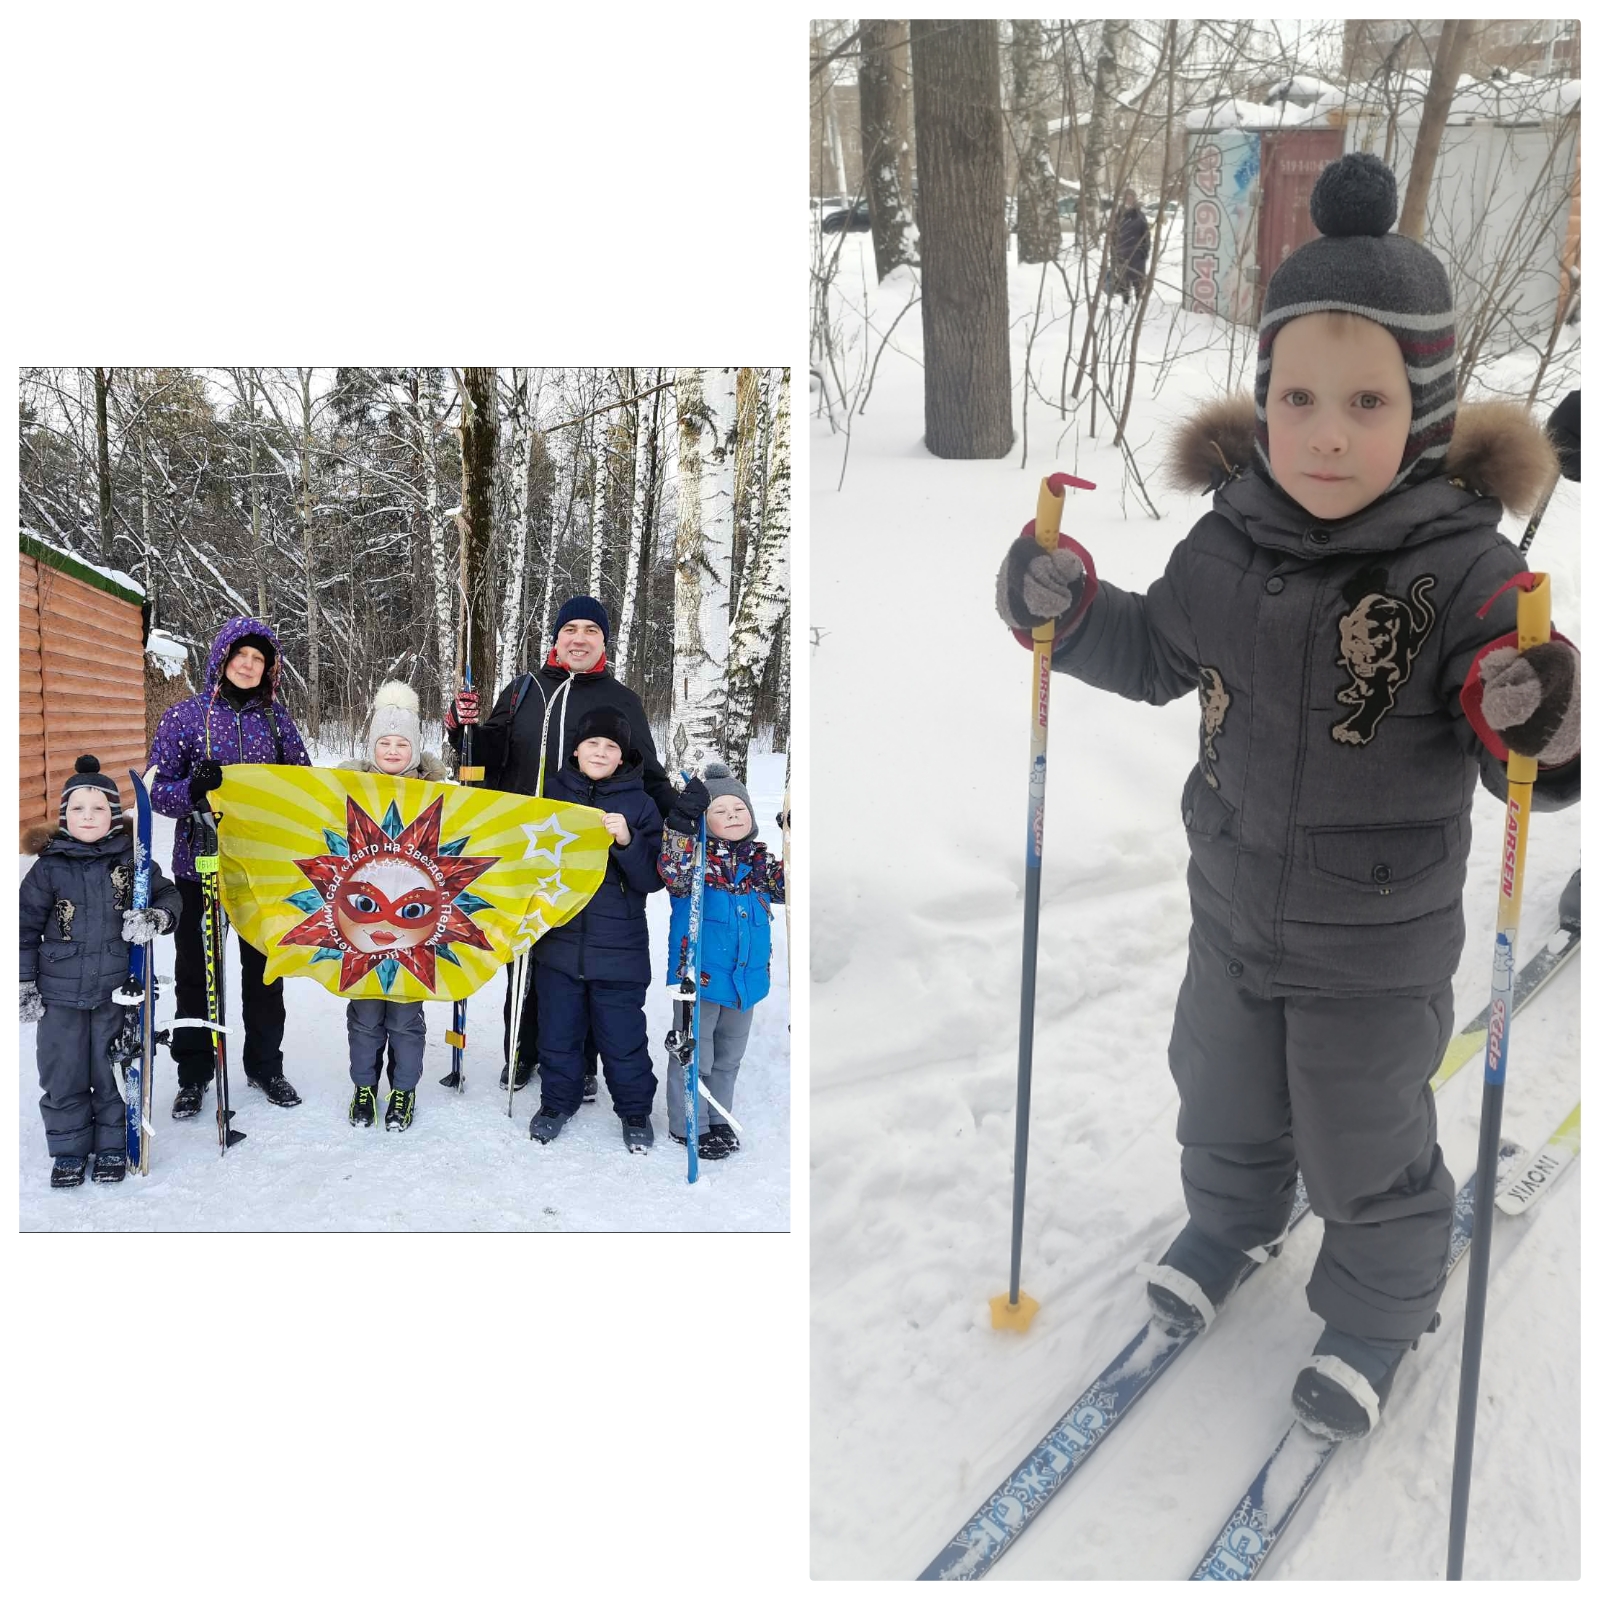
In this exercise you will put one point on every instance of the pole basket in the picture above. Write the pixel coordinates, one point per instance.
(1008, 1318)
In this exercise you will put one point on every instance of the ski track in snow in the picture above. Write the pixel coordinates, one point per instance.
(463, 1165)
(918, 1408)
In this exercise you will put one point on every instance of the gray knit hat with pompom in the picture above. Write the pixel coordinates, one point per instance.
(1360, 266)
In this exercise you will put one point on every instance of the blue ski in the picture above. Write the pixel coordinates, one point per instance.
(131, 1048)
(1074, 1438)
(1281, 1486)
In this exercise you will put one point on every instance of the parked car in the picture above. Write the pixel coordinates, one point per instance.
(857, 219)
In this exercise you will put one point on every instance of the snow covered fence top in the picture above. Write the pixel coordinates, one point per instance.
(80, 674)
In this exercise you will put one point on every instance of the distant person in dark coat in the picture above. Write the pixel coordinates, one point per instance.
(1130, 248)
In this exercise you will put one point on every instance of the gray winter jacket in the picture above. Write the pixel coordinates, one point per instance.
(70, 914)
(1329, 814)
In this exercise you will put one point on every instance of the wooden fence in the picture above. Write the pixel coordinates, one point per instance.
(81, 677)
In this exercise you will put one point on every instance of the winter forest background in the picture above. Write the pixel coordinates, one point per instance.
(400, 521)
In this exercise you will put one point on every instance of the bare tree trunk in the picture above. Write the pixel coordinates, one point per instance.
(508, 642)
(764, 592)
(1038, 214)
(746, 445)
(102, 439)
(309, 548)
(955, 80)
(480, 437)
(1106, 71)
(251, 378)
(439, 548)
(883, 84)
(647, 481)
(1454, 41)
(701, 560)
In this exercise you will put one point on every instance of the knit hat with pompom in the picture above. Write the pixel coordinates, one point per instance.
(86, 774)
(719, 780)
(395, 711)
(1359, 266)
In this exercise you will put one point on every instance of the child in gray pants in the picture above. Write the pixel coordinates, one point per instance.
(394, 745)
(1346, 611)
(743, 882)
(76, 922)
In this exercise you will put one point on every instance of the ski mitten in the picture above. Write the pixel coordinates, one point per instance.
(140, 926)
(689, 806)
(1530, 698)
(205, 777)
(32, 1003)
(1037, 586)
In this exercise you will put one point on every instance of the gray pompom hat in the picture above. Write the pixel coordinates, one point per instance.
(719, 780)
(1359, 266)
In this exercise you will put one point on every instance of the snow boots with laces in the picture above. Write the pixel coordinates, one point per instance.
(363, 1106)
(190, 1098)
(277, 1089)
(402, 1103)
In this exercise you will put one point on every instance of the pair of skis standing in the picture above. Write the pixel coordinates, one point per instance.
(133, 1046)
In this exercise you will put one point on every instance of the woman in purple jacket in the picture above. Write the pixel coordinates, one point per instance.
(234, 718)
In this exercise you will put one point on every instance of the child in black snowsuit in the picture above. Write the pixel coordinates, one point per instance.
(1346, 612)
(593, 972)
(76, 922)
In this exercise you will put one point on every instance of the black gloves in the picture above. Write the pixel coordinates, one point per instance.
(207, 775)
(689, 807)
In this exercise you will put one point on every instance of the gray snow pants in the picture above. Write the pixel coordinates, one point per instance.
(1338, 1088)
(81, 1105)
(399, 1023)
(724, 1032)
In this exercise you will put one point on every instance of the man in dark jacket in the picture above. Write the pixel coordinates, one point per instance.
(526, 739)
(1131, 248)
(592, 973)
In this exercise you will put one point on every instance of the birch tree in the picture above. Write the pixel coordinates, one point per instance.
(762, 609)
(480, 432)
(707, 403)
(641, 535)
(1038, 216)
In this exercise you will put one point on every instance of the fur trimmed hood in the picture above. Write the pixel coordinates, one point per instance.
(1497, 450)
(39, 834)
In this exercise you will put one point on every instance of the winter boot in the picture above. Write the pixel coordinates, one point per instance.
(402, 1102)
(637, 1134)
(363, 1106)
(67, 1173)
(591, 1088)
(547, 1124)
(191, 1096)
(1187, 1287)
(524, 1073)
(110, 1166)
(718, 1142)
(277, 1089)
(1341, 1393)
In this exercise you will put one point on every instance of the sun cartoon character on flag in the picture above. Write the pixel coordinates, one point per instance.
(393, 888)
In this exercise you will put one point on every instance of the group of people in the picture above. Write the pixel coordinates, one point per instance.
(567, 730)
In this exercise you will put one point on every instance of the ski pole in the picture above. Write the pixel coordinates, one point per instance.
(1016, 1310)
(456, 1036)
(1538, 512)
(1533, 627)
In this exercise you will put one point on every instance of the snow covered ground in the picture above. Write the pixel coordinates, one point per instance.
(920, 739)
(463, 1165)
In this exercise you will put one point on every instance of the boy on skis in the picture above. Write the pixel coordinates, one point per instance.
(77, 921)
(593, 972)
(742, 883)
(394, 745)
(1346, 611)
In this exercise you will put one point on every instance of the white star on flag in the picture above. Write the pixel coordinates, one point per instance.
(549, 825)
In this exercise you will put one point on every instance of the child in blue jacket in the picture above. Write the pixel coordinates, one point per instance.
(743, 882)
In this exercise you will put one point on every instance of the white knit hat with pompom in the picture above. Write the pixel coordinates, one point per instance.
(395, 710)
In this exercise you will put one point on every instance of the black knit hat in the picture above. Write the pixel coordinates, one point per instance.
(86, 774)
(603, 722)
(1359, 266)
(583, 608)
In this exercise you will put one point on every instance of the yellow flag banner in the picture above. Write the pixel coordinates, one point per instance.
(387, 888)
